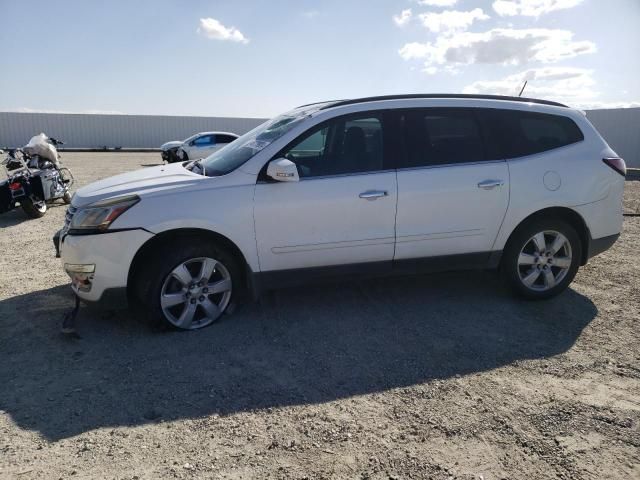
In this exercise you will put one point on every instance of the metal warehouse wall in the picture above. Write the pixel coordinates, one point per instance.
(620, 127)
(128, 131)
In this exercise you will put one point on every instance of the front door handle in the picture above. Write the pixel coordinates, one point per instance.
(490, 184)
(373, 194)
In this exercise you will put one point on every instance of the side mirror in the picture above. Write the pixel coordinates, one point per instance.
(283, 170)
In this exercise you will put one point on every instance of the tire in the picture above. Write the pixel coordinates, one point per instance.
(536, 273)
(66, 198)
(190, 303)
(33, 210)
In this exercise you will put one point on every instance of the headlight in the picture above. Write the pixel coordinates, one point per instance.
(100, 215)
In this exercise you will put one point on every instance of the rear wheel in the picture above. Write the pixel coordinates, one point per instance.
(187, 288)
(33, 209)
(542, 258)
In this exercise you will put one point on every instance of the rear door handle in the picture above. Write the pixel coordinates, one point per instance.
(373, 194)
(490, 184)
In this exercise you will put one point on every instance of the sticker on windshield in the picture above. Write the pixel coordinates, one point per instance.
(256, 145)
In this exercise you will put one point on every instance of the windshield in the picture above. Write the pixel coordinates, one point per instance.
(242, 149)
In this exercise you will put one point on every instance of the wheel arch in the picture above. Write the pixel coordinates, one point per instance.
(567, 214)
(170, 237)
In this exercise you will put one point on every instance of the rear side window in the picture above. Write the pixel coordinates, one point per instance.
(224, 138)
(439, 136)
(517, 133)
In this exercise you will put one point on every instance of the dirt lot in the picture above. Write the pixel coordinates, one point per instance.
(432, 377)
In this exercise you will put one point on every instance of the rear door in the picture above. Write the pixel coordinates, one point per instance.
(452, 193)
(222, 140)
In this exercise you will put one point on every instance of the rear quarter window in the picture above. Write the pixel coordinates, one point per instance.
(516, 133)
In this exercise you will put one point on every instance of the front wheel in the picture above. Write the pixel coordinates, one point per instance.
(33, 209)
(541, 259)
(187, 288)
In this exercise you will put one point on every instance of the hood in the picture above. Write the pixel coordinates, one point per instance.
(170, 145)
(139, 182)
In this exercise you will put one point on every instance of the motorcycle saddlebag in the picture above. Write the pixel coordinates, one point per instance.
(43, 184)
(5, 197)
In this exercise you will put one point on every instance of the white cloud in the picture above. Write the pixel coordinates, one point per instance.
(212, 28)
(403, 18)
(573, 86)
(596, 105)
(451, 20)
(558, 83)
(499, 46)
(438, 3)
(531, 8)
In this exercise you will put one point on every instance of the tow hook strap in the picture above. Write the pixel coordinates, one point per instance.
(69, 322)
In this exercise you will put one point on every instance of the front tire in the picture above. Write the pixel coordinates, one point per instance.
(189, 287)
(33, 210)
(541, 259)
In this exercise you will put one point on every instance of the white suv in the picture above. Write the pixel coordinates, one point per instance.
(384, 185)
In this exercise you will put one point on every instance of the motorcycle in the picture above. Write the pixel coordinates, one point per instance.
(35, 177)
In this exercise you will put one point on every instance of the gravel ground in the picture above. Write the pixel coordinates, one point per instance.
(429, 377)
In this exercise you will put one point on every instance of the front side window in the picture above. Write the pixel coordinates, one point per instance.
(339, 146)
(440, 136)
(204, 141)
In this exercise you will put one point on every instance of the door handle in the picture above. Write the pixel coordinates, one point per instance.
(373, 194)
(490, 184)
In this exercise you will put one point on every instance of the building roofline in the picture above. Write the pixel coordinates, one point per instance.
(340, 103)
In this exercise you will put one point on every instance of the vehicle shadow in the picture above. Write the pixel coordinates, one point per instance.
(17, 216)
(297, 346)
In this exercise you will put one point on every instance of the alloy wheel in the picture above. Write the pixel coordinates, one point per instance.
(544, 260)
(196, 293)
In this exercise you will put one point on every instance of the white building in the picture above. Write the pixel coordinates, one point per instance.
(620, 127)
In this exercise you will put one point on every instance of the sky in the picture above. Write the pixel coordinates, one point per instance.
(254, 58)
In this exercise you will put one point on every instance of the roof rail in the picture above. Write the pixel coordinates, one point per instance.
(444, 95)
(324, 101)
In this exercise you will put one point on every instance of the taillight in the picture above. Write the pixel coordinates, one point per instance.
(15, 186)
(617, 164)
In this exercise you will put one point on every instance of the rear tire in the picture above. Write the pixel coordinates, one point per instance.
(33, 210)
(541, 259)
(186, 288)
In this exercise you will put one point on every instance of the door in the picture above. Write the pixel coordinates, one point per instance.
(452, 193)
(201, 147)
(341, 212)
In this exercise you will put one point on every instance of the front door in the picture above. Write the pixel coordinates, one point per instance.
(202, 147)
(341, 212)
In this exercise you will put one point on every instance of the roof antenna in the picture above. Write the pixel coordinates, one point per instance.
(523, 87)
